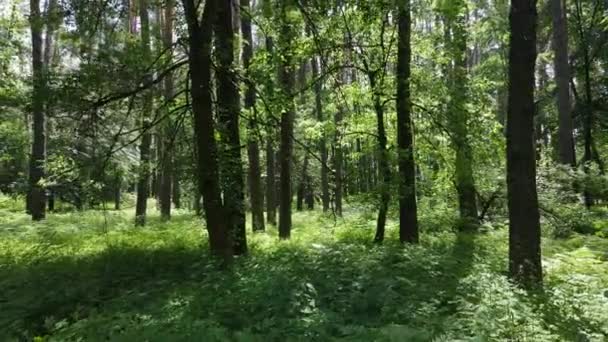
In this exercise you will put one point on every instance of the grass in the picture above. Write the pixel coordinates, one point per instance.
(92, 276)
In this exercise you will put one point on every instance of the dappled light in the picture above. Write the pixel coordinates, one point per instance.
(117, 282)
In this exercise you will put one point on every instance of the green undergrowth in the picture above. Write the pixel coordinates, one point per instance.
(92, 276)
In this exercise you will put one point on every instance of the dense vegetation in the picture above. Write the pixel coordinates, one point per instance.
(242, 170)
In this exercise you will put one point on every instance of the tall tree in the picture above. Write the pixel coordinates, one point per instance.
(166, 158)
(199, 41)
(458, 116)
(562, 79)
(318, 90)
(408, 213)
(228, 125)
(271, 200)
(143, 183)
(253, 149)
(37, 202)
(524, 222)
(585, 28)
(53, 18)
(287, 82)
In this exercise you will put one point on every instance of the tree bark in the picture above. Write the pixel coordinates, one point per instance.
(567, 154)
(37, 196)
(117, 189)
(458, 118)
(143, 184)
(383, 162)
(287, 80)
(166, 156)
(302, 186)
(271, 184)
(228, 118)
(318, 89)
(408, 213)
(524, 226)
(253, 150)
(220, 242)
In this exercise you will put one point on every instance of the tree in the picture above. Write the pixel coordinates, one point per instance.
(271, 203)
(199, 41)
(458, 115)
(228, 125)
(408, 213)
(318, 89)
(143, 184)
(524, 221)
(287, 83)
(562, 79)
(166, 158)
(37, 196)
(253, 149)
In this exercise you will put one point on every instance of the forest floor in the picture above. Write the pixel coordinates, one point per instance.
(92, 276)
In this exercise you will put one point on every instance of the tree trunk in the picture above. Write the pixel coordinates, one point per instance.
(220, 242)
(524, 226)
(37, 197)
(271, 184)
(117, 188)
(383, 162)
(338, 162)
(176, 191)
(458, 120)
(562, 80)
(143, 184)
(271, 206)
(287, 80)
(302, 186)
(52, 21)
(309, 197)
(318, 89)
(408, 214)
(166, 162)
(253, 150)
(228, 124)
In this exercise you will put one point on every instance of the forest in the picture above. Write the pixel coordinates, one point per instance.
(303, 170)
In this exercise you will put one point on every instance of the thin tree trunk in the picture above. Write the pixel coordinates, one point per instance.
(588, 106)
(567, 154)
(338, 162)
(37, 197)
(220, 241)
(458, 119)
(271, 207)
(318, 89)
(524, 226)
(166, 161)
(143, 184)
(228, 117)
(408, 214)
(253, 150)
(271, 184)
(383, 162)
(117, 194)
(302, 186)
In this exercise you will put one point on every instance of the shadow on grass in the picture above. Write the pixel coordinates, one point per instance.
(337, 290)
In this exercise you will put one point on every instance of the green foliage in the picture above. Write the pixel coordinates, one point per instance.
(108, 281)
